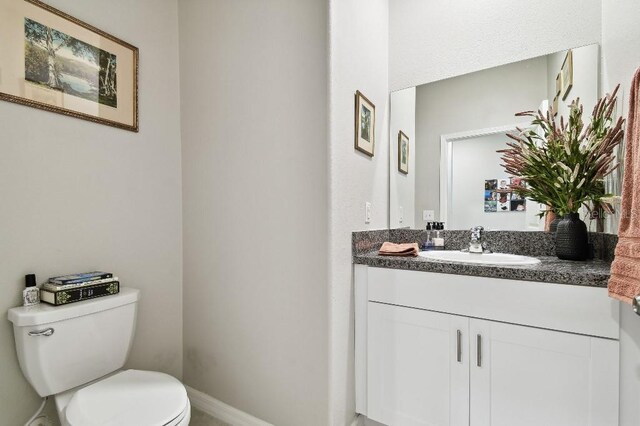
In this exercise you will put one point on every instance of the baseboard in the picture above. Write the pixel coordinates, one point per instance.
(222, 411)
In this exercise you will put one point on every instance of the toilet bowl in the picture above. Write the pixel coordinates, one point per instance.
(127, 398)
(75, 354)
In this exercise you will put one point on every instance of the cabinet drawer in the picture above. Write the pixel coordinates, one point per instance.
(574, 309)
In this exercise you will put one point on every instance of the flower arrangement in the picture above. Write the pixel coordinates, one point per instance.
(564, 165)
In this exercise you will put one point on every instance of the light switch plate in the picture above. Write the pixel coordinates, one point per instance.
(428, 215)
(367, 212)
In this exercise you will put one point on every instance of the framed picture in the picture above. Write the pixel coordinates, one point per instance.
(55, 62)
(567, 74)
(555, 105)
(365, 124)
(558, 84)
(403, 153)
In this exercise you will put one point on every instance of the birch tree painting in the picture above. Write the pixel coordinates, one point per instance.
(61, 62)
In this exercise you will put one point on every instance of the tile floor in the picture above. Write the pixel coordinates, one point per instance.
(198, 418)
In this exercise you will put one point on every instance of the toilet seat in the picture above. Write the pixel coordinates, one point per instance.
(130, 398)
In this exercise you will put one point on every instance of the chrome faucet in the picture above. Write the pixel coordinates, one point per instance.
(476, 245)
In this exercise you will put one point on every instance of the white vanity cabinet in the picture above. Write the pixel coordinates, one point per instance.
(418, 368)
(437, 350)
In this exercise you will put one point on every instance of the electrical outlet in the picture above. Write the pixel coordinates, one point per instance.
(40, 421)
(400, 215)
(428, 215)
(367, 212)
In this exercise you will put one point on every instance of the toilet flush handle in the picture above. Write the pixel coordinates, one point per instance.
(46, 332)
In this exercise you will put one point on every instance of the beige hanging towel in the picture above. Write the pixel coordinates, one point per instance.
(624, 284)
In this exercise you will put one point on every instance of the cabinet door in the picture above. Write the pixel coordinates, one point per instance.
(418, 367)
(531, 377)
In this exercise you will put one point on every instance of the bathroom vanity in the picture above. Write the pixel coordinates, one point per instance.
(440, 343)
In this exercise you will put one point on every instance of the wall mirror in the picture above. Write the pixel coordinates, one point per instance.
(444, 136)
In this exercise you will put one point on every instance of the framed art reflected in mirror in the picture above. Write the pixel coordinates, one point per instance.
(403, 153)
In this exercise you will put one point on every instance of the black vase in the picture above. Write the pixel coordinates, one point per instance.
(572, 238)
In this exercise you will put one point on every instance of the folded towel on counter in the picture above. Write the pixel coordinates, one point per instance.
(392, 249)
(624, 284)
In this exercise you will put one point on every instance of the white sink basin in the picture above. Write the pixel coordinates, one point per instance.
(479, 258)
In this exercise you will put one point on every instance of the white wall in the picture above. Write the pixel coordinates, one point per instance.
(254, 133)
(402, 187)
(358, 61)
(620, 37)
(430, 40)
(79, 196)
(479, 100)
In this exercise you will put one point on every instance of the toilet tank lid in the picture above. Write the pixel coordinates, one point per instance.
(44, 313)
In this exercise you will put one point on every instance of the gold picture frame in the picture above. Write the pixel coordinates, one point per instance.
(403, 153)
(567, 74)
(365, 124)
(50, 60)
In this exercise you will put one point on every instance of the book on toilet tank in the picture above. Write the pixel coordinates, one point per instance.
(80, 278)
(55, 287)
(78, 294)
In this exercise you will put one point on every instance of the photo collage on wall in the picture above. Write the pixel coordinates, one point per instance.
(498, 196)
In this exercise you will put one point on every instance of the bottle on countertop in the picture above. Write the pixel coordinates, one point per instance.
(428, 243)
(438, 238)
(31, 293)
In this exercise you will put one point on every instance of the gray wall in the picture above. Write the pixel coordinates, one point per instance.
(254, 133)
(77, 196)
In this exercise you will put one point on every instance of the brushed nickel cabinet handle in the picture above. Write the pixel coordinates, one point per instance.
(459, 345)
(479, 351)
(46, 332)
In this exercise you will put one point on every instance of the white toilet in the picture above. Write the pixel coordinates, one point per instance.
(75, 352)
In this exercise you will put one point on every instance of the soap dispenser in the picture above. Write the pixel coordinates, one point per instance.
(438, 238)
(428, 243)
(31, 293)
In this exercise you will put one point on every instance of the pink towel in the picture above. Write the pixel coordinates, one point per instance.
(624, 284)
(391, 249)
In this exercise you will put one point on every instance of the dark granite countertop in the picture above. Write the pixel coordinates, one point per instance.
(592, 273)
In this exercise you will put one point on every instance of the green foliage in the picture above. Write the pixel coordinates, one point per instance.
(564, 166)
(35, 32)
(35, 63)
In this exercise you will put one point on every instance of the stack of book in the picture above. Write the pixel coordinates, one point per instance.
(77, 287)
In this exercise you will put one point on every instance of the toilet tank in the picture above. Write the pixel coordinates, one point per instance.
(77, 343)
